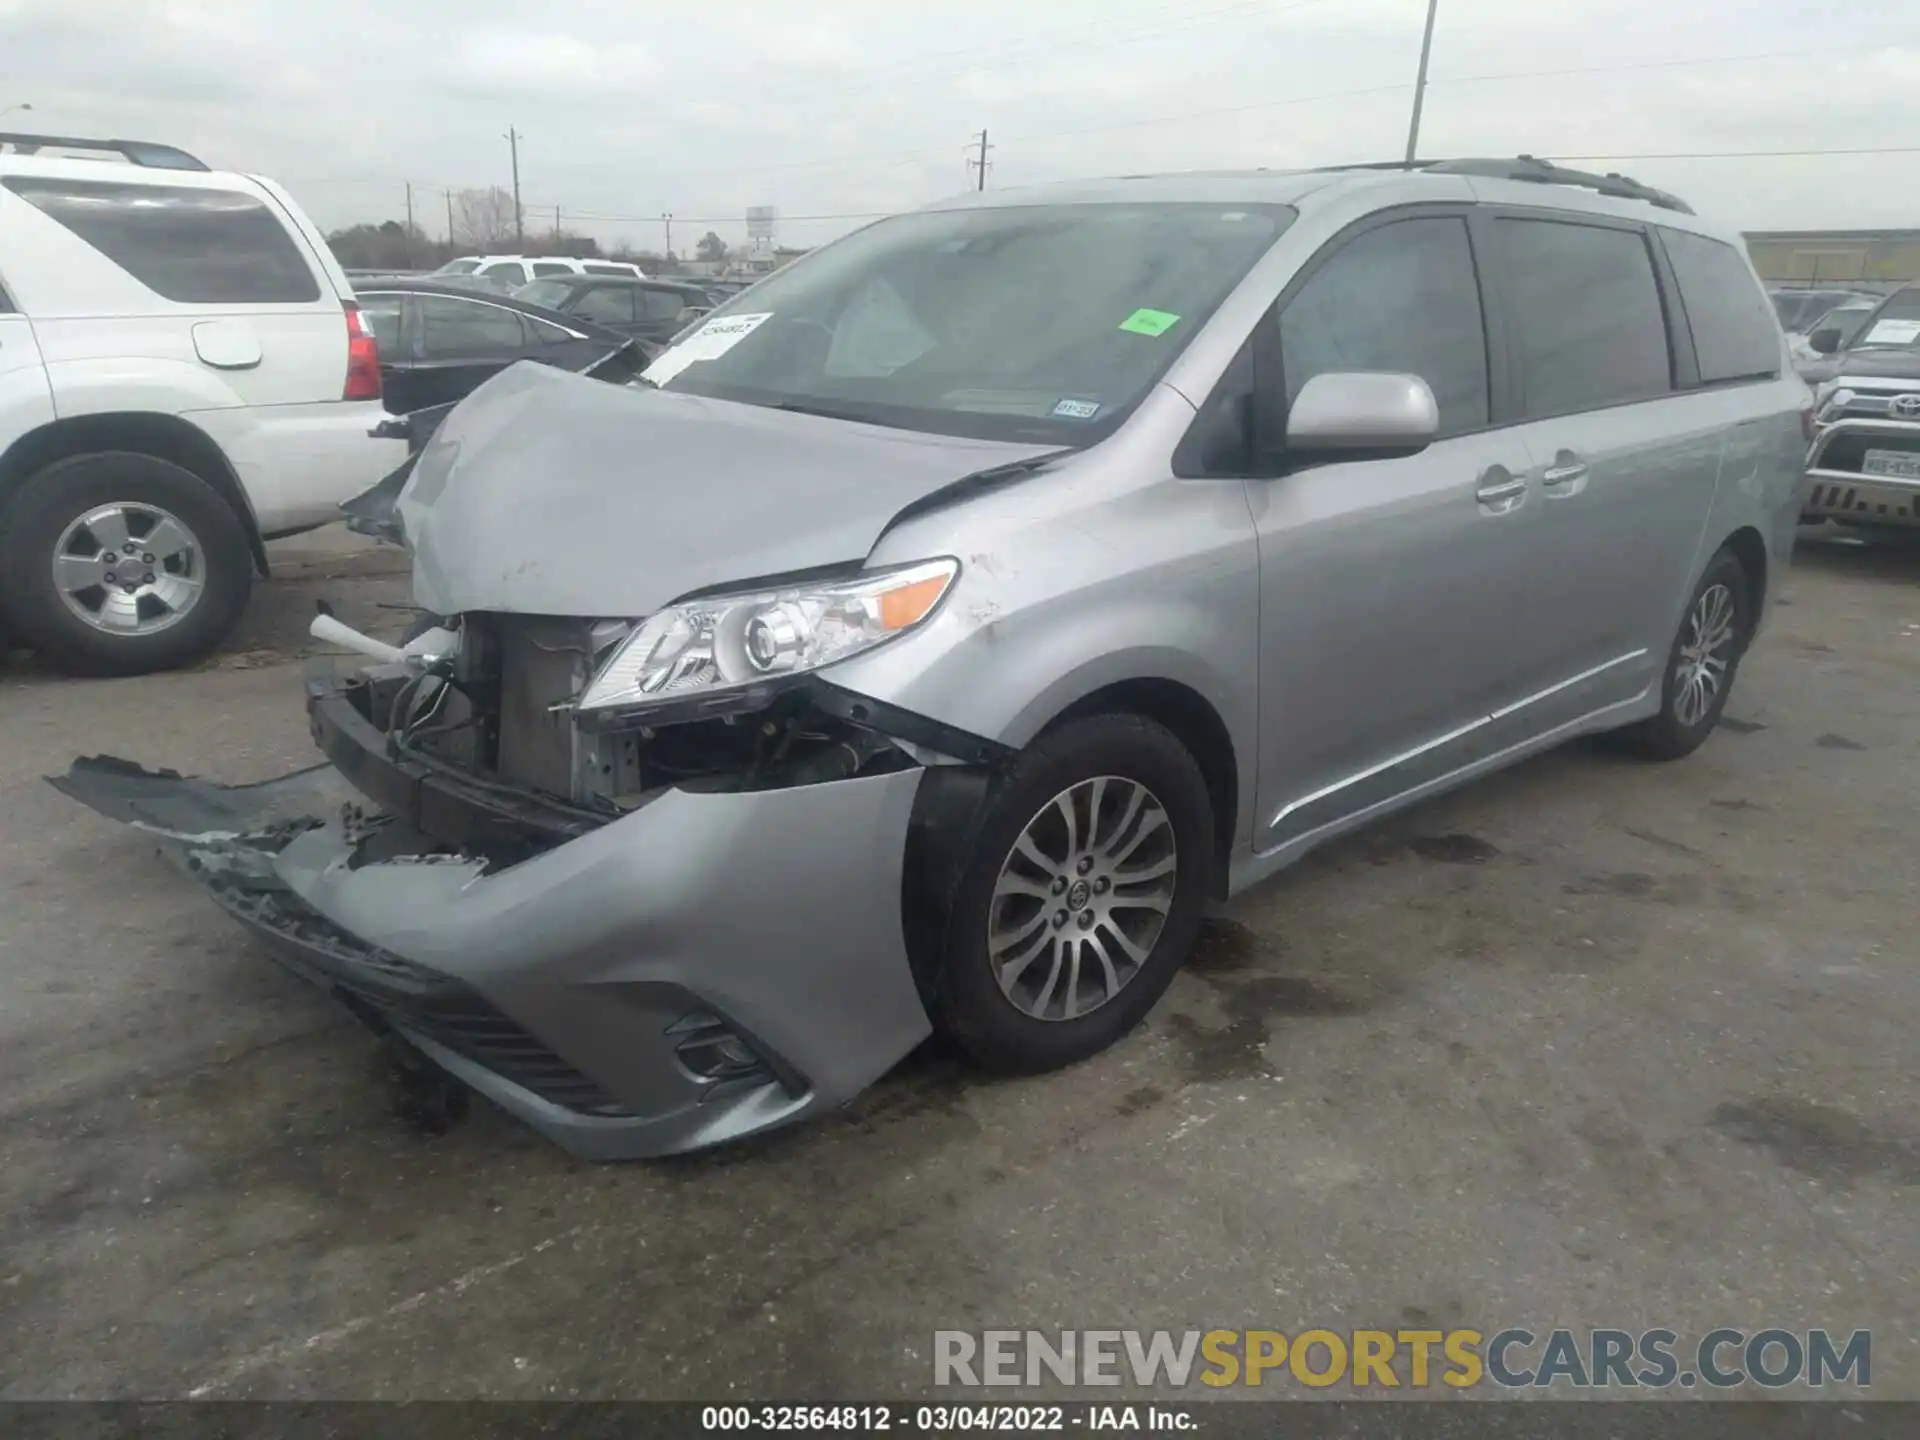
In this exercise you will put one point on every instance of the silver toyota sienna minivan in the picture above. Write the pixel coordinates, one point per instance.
(941, 623)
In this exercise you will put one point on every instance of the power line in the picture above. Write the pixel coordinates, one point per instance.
(1557, 156)
(1046, 45)
(861, 157)
(1751, 154)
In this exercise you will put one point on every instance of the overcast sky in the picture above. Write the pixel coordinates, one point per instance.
(835, 108)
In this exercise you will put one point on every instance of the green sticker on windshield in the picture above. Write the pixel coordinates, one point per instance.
(1149, 322)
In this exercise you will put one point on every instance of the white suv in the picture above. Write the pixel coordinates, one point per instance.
(184, 374)
(510, 272)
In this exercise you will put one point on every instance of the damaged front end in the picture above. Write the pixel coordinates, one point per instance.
(641, 932)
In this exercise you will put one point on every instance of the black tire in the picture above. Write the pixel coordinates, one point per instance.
(51, 500)
(970, 1005)
(1666, 736)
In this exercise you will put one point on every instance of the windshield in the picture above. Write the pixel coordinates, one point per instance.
(1895, 325)
(1849, 320)
(550, 293)
(458, 267)
(1019, 323)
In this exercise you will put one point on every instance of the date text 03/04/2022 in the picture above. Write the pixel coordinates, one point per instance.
(946, 1419)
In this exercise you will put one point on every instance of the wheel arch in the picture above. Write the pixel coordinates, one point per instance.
(164, 437)
(1197, 725)
(1749, 547)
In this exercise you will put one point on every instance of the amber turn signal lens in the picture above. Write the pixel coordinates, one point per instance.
(910, 603)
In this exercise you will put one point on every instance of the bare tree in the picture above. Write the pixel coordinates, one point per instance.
(483, 219)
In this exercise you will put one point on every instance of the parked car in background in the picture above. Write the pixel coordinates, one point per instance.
(438, 341)
(654, 310)
(1848, 319)
(1863, 469)
(510, 272)
(1798, 308)
(184, 374)
(942, 628)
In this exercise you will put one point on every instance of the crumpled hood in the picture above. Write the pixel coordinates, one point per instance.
(546, 493)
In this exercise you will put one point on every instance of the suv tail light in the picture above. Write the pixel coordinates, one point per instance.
(363, 358)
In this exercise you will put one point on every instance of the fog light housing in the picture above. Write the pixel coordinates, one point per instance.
(712, 1053)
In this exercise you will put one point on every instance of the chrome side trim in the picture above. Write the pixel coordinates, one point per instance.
(1505, 712)
(1381, 768)
(1567, 684)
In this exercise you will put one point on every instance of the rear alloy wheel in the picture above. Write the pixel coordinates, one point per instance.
(129, 569)
(122, 564)
(1701, 665)
(1082, 895)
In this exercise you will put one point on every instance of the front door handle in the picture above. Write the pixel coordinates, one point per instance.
(1500, 490)
(1567, 475)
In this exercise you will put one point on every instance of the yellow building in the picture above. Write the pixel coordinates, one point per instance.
(1819, 257)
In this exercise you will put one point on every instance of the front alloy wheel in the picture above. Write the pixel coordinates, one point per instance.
(1082, 898)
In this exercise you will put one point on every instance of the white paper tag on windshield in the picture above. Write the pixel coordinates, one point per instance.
(709, 342)
(1892, 332)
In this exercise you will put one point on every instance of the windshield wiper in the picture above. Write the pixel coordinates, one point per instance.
(807, 407)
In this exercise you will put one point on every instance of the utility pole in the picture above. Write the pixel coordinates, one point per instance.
(1420, 84)
(409, 222)
(981, 163)
(556, 223)
(449, 194)
(668, 218)
(513, 138)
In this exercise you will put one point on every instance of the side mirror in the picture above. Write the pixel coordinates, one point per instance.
(1371, 411)
(691, 312)
(1825, 340)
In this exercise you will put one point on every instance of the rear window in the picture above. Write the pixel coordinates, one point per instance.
(1733, 335)
(193, 246)
(667, 304)
(1591, 329)
(593, 269)
(553, 294)
(551, 267)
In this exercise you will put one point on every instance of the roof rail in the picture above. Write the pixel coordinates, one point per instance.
(1539, 172)
(145, 153)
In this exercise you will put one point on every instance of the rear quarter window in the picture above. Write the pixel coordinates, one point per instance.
(189, 245)
(1734, 336)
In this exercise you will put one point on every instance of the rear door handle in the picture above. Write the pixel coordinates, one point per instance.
(1567, 475)
(1500, 490)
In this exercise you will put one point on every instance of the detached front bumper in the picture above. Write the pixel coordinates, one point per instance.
(1838, 487)
(706, 966)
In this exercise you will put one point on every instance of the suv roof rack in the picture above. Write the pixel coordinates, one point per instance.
(1539, 172)
(147, 153)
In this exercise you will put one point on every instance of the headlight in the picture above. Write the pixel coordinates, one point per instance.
(731, 642)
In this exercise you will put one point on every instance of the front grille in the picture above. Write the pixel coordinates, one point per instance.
(1847, 450)
(385, 989)
(467, 1025)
